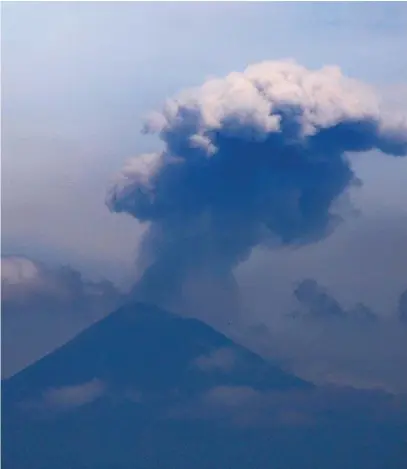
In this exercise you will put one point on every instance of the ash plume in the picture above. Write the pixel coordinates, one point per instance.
(255, 158)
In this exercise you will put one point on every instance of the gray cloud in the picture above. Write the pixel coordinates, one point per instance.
(317, 303)
(327, 343)
(43, 307)
(256, 158)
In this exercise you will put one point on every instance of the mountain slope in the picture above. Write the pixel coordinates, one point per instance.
(146, 389)
(143, 346)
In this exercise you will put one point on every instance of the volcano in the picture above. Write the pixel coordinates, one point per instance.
(147, 389)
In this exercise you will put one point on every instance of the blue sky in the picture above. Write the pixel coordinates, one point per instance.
(78, 78)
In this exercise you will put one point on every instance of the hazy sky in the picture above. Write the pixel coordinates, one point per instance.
(78, 78)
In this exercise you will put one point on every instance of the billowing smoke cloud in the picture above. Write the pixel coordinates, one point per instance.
(43, 307)
(252, 159)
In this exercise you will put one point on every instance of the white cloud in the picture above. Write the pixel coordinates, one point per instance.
(68, 397)
(249, 104)
(25, 281)
(18, 270)
(65, 398)
(221, 359)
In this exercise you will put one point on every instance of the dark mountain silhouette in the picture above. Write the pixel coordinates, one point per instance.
(146, 389)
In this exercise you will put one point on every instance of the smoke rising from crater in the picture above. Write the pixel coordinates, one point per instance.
(254, 158)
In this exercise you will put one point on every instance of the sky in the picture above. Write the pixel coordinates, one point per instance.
(77, 82)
